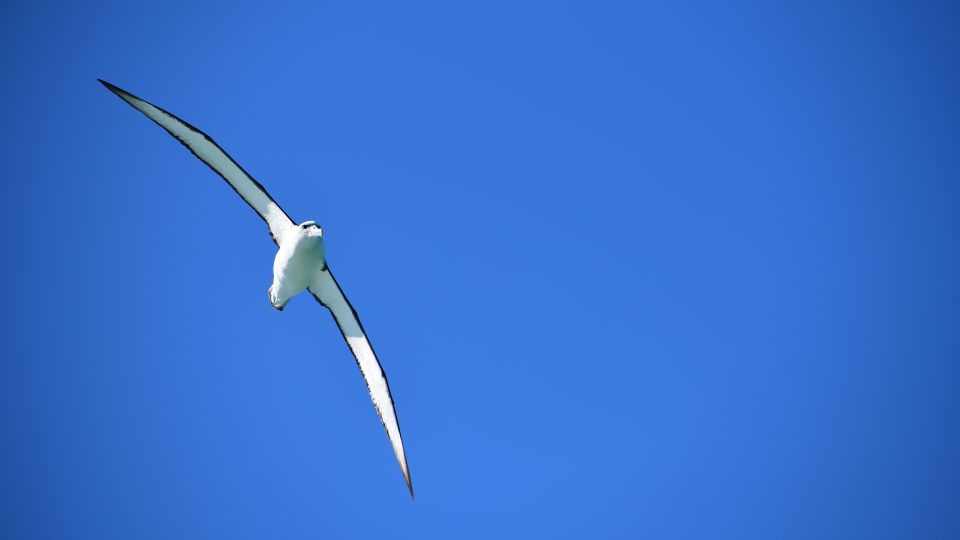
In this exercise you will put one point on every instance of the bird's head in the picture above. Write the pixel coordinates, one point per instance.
(310, 228)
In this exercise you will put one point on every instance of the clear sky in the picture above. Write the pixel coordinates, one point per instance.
(661, 271)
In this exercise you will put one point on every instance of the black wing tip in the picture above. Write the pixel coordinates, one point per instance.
(120, 92)
(405, 469)
(112, 87)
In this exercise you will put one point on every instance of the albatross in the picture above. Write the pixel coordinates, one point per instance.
(300, 264)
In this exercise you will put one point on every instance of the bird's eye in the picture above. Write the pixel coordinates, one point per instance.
(304, 226)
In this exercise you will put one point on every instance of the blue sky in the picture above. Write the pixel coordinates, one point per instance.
(667, 270)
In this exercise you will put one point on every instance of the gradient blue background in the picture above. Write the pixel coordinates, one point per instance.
(670, 271)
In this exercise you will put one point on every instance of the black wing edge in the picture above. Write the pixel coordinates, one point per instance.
(406, 466)
(119, 91)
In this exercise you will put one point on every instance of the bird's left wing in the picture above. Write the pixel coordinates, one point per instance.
(328, 292)
(210, 153)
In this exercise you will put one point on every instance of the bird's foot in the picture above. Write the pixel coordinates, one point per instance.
(278, 307)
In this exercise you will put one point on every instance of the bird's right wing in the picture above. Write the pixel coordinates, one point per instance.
(210, 153)
(328, 292)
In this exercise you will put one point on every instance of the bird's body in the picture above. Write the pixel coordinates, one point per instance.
(299, 260)
(300, 263)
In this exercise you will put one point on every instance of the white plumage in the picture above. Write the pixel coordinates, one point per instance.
(300, 263)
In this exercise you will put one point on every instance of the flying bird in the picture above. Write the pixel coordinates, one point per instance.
(300, 264)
